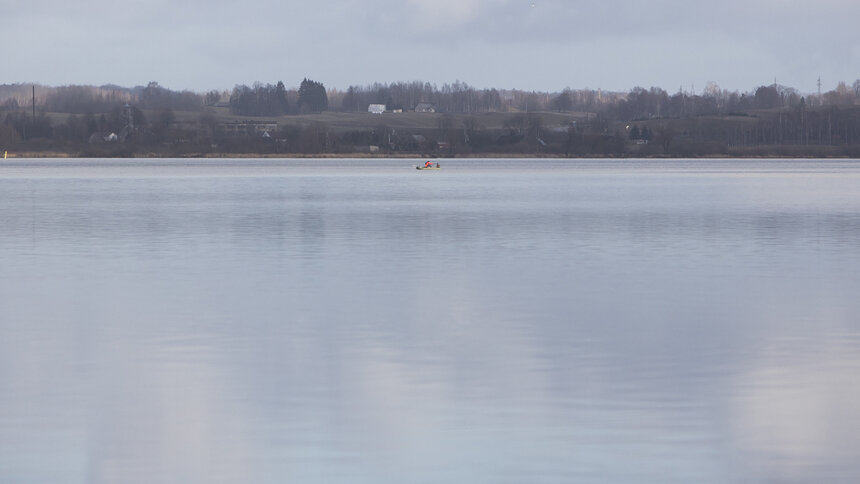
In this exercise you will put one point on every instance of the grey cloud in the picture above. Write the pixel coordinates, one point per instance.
(503, 43)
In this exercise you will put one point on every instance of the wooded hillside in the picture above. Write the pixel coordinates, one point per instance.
(421, 119)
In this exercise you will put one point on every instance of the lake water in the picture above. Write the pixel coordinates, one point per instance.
(496, 321)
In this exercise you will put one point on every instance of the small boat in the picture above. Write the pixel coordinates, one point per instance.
(428, 167)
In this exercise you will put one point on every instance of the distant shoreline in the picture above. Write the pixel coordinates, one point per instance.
(369, 156)
(154, 122)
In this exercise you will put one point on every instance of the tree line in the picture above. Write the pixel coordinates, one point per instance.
(274, 100)
(458, 97)
(771, 119)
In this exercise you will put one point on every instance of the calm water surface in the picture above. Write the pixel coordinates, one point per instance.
(358, 321)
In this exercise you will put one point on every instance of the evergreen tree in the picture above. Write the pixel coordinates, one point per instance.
(563, 102)
(312, 97)
(646, 134)
(282, 106)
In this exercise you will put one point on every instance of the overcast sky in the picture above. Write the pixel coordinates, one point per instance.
(543, 45)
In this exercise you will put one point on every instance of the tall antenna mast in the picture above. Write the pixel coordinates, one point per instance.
(819, 89)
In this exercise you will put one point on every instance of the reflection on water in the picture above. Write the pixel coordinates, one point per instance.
(495, 321)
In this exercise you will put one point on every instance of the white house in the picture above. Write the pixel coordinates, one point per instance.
(425, 108)
(376, 108)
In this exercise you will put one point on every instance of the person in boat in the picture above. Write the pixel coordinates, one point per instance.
(427, 164)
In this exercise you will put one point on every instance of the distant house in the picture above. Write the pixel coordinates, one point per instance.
(249, 128)
(425, 108)
(376, 108)
(96, 138)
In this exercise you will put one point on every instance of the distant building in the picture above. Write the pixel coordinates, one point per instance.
(99, 138)
(425, 108)
(376, 108)
(248, 128)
